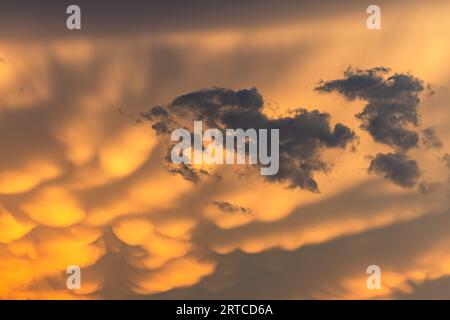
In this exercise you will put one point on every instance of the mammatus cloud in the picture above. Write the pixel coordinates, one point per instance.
(390, 117)
(145, 231)
(303, 134)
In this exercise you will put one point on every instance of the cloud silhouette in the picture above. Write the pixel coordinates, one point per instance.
(391, 107)
(303, 134)
(397, 168)
(229, 207)
(430, 139)
(390, 117)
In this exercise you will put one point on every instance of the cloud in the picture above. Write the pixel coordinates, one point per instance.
(189, 173)
(397, 168)
(229, 208)
(303, 134)
(390, 116)
(391, 107)
(393, 246)
(427, 188)
(159, 16)
(88, 165)
(430, 139)
(352, 210)
(429, 289)
(151, 231)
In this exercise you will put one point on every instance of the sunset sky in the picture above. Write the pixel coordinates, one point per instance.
(84, 178)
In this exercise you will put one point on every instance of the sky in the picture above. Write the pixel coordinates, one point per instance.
(364, 173)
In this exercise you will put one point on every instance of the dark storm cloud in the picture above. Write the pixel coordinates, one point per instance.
(430, 139)
(397, 168)
(392, 102)
(303, 134)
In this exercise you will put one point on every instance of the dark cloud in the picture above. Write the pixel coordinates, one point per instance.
(229, 208)
(392, 102)
(189, 173)
(430, 139)
(303, 134)
(427, 188)
(396, 167)
(390, 116)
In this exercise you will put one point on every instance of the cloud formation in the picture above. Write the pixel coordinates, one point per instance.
(430, 139)
(83, 185)
(390, 116)
(392, 102)
(229, 207)
(303, 134)
(397, 168)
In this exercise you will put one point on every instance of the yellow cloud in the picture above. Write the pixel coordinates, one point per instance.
(54, 206)
(177, 273)
(44, 254)
(10, 228)
(27, 177)
(160, 249)
(124, 153)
